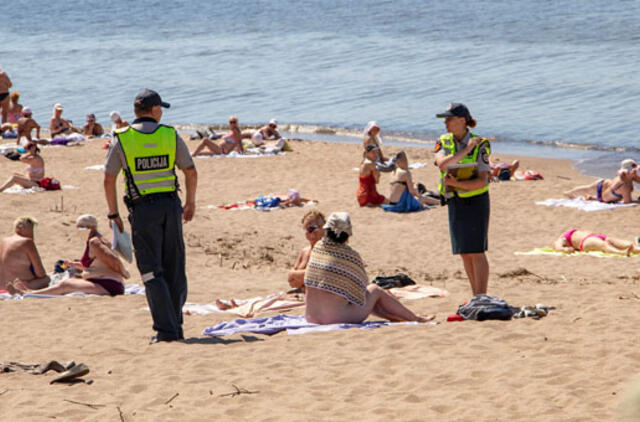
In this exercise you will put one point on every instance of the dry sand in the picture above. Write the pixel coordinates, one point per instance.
(573, 365)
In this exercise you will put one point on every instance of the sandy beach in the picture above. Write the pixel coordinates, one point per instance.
(573, 365)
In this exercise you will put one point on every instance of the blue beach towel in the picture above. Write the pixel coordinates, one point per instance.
(293, 324)
(407, 203)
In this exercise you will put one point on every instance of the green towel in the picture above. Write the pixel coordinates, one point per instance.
(550, 251)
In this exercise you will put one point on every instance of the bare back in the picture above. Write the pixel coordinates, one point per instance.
(14, 259)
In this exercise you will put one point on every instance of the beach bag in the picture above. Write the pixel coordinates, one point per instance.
(267, 201)
(49, 183)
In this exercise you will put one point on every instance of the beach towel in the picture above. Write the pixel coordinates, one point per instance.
(582, 204)
(276, 302)
(552, 252)
(417, 292)
(338, 269)
(251, 205)
(249, 154)
(27, 191)
(407, 203)
(97, 167)
(129, 289)
(293, 324)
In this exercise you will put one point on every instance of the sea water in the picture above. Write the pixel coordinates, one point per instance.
(549, 78)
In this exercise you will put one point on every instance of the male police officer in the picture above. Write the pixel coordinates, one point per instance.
(148, 152)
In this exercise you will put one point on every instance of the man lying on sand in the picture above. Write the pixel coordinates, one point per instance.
(19, 257)
(337, 286)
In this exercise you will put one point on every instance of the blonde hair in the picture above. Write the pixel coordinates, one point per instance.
(313, 215)
(14, 96)
(24, 221)
(233, 118)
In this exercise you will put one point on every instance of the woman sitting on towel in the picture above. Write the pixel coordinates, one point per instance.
(369, 177)
(102, 271)
(586, 241)
(337, 286)
(402, 187)
(231, 141)
(35, 171)
(610, 190)
(312, 224)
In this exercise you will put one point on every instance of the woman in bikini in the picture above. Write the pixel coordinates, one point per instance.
(15, 108)
(101, 270)
(610, 190)
(586, 241)
(402, 181)
(59, 126)
(35, 169)
(369, 176)
(231, 141)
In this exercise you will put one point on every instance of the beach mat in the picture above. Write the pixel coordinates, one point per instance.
(552, 252)
(582, 204)
(292, 324)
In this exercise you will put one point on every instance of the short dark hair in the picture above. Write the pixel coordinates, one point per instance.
(341, 238)
(140, 108)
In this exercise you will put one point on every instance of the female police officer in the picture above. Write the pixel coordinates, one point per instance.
(463, 159)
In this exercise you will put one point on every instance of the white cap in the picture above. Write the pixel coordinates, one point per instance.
(273, 122)
(58, 106)
(628, 164)
(26, 110)
(339, 222)
(370, 126)
(114, 116)
(87, 221)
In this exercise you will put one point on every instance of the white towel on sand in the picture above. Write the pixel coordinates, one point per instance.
(582, 204)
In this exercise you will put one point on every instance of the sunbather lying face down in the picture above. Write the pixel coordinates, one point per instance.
(19, 257)
(101, 270)
(312, 223)
(337, 286)
(585, 241)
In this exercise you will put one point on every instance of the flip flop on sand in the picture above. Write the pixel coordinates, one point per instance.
(72, 374)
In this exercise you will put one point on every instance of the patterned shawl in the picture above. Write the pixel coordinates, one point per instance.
(338, 269)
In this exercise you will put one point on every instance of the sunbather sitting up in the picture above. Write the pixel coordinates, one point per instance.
(229, 142)
(610, 190)
(102, 271)
(401, 182)
(586, 241)
(337, 286)
(312, 223)
(19, 257)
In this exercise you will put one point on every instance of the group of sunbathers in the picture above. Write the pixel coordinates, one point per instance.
(100, 271)
(374, 162)
(265, 139)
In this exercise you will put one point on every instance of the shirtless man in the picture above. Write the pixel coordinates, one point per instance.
(26, 124)
(59, 126)
(5, 84)
(92, 128)
(312, 223)
(19, 257)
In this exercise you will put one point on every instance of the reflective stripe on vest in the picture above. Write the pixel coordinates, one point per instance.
(150, 159)
(449, 147)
